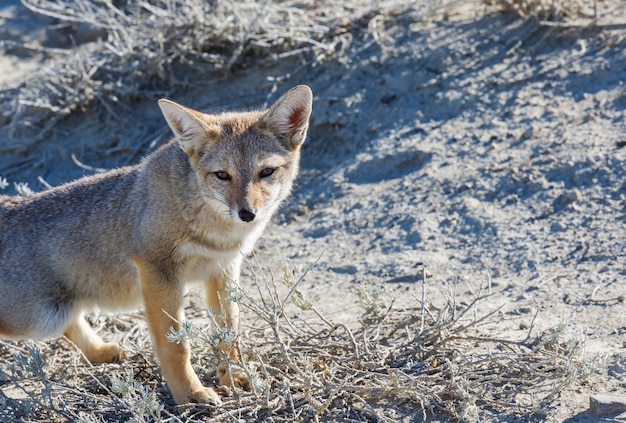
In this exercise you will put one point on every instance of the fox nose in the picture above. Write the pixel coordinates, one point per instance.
(246, 215)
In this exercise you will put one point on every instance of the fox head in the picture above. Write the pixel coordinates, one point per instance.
(245, 162)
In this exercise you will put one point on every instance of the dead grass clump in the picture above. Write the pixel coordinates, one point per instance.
(149, 46)
(422, 360)
(432, 359)
(152, 47)
(547, 10)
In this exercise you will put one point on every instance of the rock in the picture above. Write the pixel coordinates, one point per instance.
(349, 269)
(603, 405)
(567, 198)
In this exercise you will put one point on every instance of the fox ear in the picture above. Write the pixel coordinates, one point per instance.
(288, 118)
(187, 124)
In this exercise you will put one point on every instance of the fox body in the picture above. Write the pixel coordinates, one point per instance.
(136, 235)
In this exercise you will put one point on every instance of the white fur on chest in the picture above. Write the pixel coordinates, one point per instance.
(201, 262)
(222, 253)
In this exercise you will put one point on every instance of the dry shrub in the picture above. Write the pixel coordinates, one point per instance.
(151, 47)
(546, 10)
(424, 360)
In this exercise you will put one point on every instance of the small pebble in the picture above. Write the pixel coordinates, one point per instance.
(570, 196)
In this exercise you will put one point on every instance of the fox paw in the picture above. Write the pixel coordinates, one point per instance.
(205, 396)
(239, 378)
(107, 352)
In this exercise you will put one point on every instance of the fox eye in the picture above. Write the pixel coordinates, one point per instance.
(268, 171)
(222, 176)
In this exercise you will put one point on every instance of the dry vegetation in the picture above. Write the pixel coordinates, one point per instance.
(428, 358)
(149, 48)
(548, 10)
(422, 361)
(152, 47)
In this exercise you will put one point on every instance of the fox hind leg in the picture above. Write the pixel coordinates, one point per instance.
(93, 347)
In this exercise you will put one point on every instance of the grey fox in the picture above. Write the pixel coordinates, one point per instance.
(135, 235)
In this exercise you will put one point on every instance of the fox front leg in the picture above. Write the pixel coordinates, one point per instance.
(163, 300)
(227, 315)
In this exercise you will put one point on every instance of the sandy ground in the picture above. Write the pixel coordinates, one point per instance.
(487, 150)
